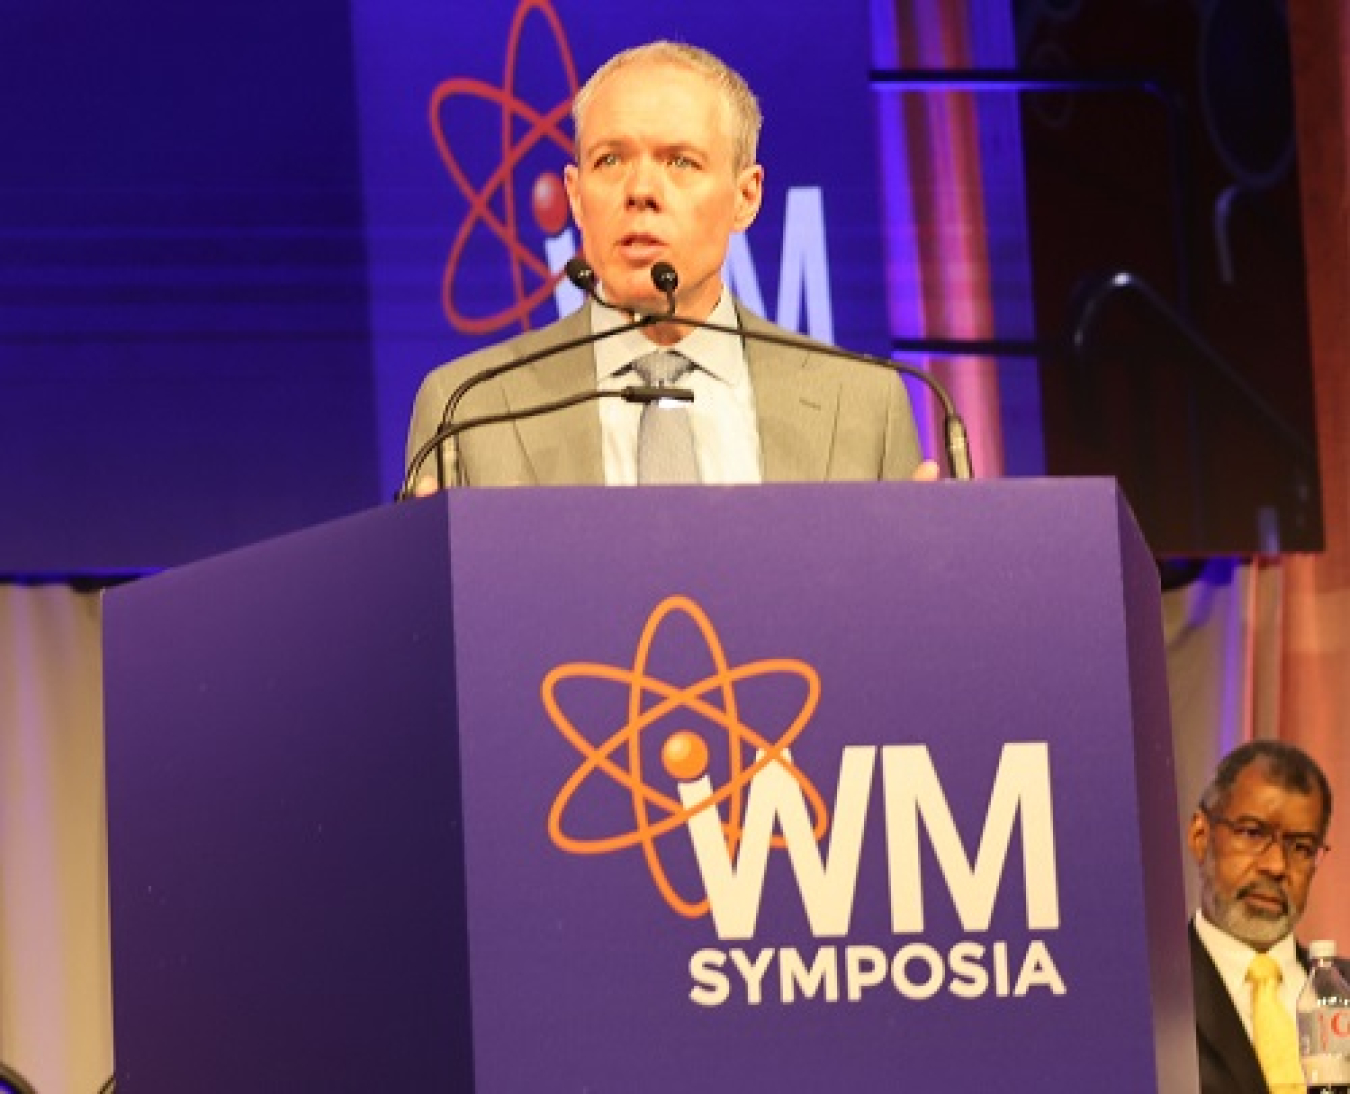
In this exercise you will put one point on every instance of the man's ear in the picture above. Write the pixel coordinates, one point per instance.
(571, 183)
(749, 197)
(1198, 835)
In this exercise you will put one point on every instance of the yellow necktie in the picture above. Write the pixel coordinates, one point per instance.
(1272, 1030)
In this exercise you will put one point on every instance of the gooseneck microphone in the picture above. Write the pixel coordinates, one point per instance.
(667, 280)
(635, 393)
(582, 275)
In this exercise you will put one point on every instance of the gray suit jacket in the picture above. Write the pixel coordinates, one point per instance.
(820, 418)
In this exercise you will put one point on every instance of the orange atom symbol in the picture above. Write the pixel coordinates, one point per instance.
(684, 754)
(547, 198)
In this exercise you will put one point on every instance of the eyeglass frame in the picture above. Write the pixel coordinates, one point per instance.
(1320, 850)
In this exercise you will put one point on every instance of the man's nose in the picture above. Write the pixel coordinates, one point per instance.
(644, 185)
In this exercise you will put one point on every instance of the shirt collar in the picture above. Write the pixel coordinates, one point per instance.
(1235, 954)
(712, 351)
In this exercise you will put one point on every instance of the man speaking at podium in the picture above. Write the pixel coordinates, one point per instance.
(665, 172)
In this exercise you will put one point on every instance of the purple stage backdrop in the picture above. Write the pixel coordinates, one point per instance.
(184, 360)
(780, 788)
(465, 131)
(236, 237)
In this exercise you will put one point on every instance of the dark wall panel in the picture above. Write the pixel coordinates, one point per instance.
(1192, 379)
(184, 359)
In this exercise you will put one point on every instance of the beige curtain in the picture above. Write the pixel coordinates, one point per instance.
(1313, 693)
(55, 997)
(1221, 635)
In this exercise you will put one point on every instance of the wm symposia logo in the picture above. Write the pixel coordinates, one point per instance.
(684, 753)
(761, 801)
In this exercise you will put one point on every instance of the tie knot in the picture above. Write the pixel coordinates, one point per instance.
(662, 367)
(1264, 969)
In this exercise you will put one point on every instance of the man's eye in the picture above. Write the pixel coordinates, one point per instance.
(682, 161)
(1303, 848)
(1250, 831)
(607, 159)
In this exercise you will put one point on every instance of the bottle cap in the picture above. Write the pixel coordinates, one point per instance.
(1323, 947)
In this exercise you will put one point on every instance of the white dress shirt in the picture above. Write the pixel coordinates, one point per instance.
(721, 417)
(1232, 958)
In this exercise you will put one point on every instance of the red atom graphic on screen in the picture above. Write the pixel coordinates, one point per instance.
(492, 203)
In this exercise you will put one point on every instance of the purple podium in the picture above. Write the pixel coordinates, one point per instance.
(790, 788)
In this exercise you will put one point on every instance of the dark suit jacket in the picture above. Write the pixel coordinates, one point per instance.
(1228, 1063)
(820, 418)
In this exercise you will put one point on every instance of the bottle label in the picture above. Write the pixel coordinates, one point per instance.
(1328, 1029)
(1324, 1044)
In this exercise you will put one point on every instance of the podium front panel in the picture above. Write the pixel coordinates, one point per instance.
(975, 639)
(792, 788)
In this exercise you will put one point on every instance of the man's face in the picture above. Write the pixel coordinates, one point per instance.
(655, 180)
(1255, 898)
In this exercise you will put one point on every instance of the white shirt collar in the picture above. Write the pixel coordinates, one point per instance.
(1232, 957)
(716, 353)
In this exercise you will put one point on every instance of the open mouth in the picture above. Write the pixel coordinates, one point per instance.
(639, 246)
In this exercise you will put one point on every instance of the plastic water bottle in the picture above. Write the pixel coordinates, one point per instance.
(1324, 1024)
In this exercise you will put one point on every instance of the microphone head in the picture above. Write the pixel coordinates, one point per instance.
(665, 278)
(581, 273)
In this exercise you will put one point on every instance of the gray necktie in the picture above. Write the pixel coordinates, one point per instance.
(665, 440)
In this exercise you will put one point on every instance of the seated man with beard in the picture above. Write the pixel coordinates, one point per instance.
(1257, 837)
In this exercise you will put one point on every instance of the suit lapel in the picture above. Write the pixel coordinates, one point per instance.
(796, 403)
(564, 446)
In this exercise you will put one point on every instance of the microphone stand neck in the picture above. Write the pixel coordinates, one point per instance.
(956, 442)
(635, 393)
